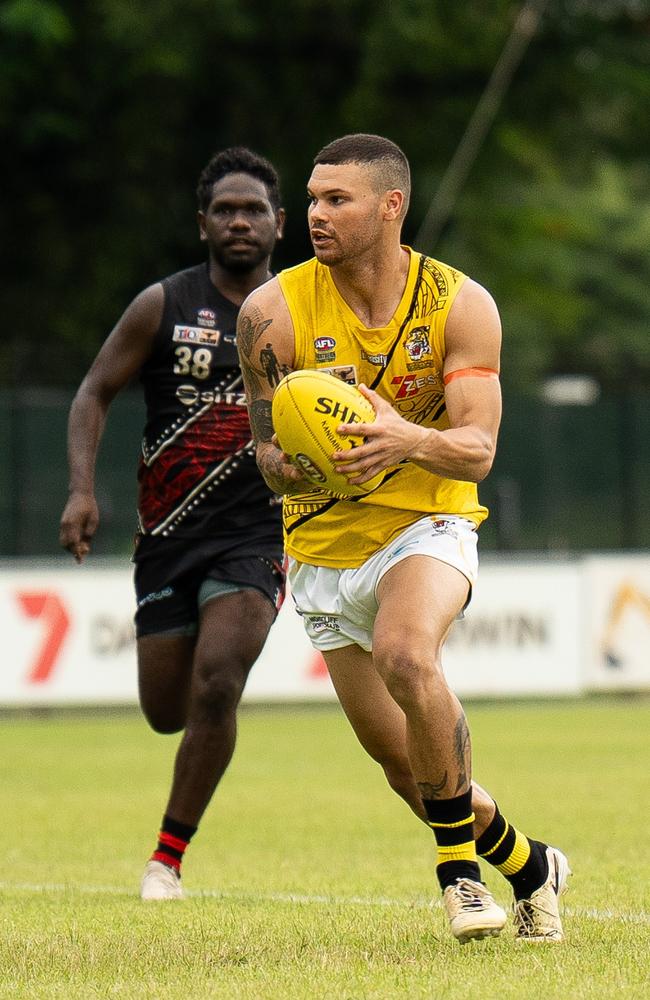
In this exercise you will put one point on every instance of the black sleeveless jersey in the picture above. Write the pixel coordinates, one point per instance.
(197, 477)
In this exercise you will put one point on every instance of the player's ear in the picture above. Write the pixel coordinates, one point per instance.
(280, 219)
(393, 204)
(200, 218)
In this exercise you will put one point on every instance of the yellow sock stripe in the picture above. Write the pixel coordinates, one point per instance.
(498, 843)
(452, 826)
(457, 852)
(519, 856)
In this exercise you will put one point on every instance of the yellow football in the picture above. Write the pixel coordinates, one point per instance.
(308, 406)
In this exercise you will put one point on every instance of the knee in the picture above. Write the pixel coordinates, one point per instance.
(164, 719)
(218, 685)
(410, 673)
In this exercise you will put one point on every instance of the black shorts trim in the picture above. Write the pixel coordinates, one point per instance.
(168, 600)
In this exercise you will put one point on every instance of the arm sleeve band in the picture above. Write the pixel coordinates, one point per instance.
(470, 373)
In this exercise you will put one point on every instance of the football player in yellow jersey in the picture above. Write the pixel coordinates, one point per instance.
(380, 611)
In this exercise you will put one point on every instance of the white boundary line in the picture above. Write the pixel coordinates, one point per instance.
(52, 888)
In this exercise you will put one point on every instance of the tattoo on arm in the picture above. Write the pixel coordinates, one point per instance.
(268, 369)
(250, 332)
(259, 413)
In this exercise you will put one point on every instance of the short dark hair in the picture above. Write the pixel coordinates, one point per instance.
(391, 166)
(238, 160)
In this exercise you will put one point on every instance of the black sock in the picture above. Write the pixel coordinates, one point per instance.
(452, 822)
(521, 860)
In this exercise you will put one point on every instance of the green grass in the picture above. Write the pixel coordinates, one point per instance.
(309, 879)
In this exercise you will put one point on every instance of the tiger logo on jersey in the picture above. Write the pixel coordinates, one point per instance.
(418, 347)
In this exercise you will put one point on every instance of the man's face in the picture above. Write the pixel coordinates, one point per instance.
(345, 212)
(240, 225)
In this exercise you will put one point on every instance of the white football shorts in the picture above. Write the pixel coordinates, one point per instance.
(338, 606)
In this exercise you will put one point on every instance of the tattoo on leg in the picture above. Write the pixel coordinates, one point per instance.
(429, 791)
(463, 754)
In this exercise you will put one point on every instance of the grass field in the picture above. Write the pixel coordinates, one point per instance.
(309, 879)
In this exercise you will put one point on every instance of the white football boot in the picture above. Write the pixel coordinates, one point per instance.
(538, 919)
(160, 882)
(472, 911)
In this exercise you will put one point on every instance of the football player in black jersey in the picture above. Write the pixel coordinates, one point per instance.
(209, 573)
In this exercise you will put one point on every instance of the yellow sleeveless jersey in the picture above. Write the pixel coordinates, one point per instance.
(403, 362)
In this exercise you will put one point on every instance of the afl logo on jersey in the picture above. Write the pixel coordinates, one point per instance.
(206, 317)
(325, 348)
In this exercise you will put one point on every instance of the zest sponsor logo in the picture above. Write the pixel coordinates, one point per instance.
(410, 385)
(47, 608)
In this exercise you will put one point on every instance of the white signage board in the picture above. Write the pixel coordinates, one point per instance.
(533, 628)
(68, 637)
(521, 633)
(617, 620)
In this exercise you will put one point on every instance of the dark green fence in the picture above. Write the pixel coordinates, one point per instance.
(566, 477)
(34, 473)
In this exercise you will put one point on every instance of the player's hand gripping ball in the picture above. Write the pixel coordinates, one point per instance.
(308, 406)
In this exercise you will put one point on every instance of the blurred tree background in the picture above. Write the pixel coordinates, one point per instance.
(109, 111)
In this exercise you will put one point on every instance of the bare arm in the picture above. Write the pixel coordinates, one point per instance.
(264, 323)
(121, 356)
(473, 398)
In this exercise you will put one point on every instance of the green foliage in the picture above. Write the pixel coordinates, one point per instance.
(573, 293)
(39, 21)
(112, 108)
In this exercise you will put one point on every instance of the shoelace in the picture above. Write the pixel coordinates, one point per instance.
(470, 896)
(525, 915)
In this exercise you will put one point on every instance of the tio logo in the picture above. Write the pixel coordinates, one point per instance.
(48, 608)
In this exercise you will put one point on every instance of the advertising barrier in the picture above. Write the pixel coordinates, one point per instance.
(533, 628)
(617, 633)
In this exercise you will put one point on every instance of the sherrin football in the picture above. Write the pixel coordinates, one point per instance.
(308, 406)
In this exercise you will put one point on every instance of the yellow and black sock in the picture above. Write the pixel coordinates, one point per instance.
(520, 860)
(452, 822)
(173, 840)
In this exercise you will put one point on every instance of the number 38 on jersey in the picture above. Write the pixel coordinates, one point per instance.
(194, 362)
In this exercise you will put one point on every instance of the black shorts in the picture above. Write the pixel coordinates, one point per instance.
(169, 578)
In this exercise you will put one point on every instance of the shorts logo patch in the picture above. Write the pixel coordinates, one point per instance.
(156, 595)
(324, 623)
(196, 335)
(442, 527)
